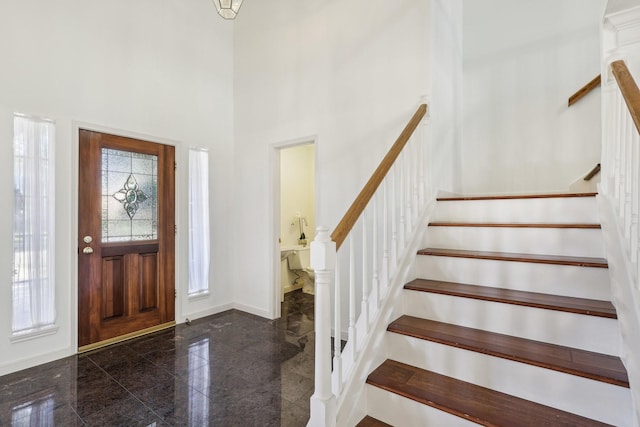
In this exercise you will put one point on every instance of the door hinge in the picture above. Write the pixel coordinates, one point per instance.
(175, 229)
(175, 294)
(175, 165)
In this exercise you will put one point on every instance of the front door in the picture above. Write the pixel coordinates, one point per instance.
(126, 236)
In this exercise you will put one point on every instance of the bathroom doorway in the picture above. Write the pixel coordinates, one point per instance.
(294, 219)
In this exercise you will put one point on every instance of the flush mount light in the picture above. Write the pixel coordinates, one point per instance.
(228, 9)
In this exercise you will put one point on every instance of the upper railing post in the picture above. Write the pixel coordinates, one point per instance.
(323, 262)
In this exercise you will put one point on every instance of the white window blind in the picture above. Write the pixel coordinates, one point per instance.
(198, 222)
(33, 287)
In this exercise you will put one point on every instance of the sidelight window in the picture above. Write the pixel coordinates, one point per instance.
(33, 285)
(198, 222)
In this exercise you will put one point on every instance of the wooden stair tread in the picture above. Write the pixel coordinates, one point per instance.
(372, 422)
(584, 306)
(586, 364)
(469, 401)
(507, 256)
(516, 196)
(512, 225)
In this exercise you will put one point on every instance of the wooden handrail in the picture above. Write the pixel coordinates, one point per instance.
(629, 90)
(357, 207)
(593, 172)
(584, 90)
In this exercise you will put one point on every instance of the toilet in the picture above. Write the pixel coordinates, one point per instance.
(305, 272)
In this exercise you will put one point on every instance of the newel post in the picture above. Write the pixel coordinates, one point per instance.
(323, 262)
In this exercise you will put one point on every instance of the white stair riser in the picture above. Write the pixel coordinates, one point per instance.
(399, 411)
(547, 241)
(546, 210)
(592, 399)
(568, 329)
(575, 281)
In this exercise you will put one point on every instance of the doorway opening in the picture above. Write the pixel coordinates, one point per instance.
(294, 220)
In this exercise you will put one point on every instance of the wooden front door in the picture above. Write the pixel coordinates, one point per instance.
(126, 236)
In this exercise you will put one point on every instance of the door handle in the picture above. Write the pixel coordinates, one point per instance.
(87, 250)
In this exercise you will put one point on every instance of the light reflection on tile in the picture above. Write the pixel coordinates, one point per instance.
(198, 380)
(232, 368)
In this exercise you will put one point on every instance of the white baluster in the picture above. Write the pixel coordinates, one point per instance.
(394, 226)
(385, 236)
(619, 153)
(323, 260)
(365, 273)
(401, 226)
(635, 208)
(406, 164)
(615, 141)
(604, 154)
(352, 299)
(607, 161)
(421, 183)
(429, 180)
(628, 140)
(375, 282)
(337, 341)
(628, 208)
(414, 181)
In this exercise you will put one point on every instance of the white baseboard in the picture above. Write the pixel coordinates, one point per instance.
(26, 363)
(204, 313)
(252, 310)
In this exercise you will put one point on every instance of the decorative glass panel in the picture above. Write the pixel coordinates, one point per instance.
(129, 196)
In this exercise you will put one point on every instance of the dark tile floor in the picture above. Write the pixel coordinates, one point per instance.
(230, 369)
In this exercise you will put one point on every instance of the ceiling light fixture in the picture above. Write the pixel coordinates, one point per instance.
(228, 9)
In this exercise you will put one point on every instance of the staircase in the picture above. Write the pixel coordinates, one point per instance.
(508, 323)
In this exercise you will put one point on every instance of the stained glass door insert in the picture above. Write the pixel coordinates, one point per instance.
(129, 196)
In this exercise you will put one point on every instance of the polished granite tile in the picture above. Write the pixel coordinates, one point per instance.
(129, 412)
(293, 415)
(230, 369)
(294, 385)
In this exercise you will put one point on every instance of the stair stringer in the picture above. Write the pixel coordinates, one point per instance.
(352, 401)
(625, 296)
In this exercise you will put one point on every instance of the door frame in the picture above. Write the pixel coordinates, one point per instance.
(274, 199)
(73, 225)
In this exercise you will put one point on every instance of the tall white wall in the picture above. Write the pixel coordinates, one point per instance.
(522, 60)
(159, 69)
(349, 73)
(445, 109)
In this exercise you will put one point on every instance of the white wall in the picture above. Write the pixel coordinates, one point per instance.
(351, 73)
(162, 69)
(522, 61)
(297, 193)
(445, 109)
